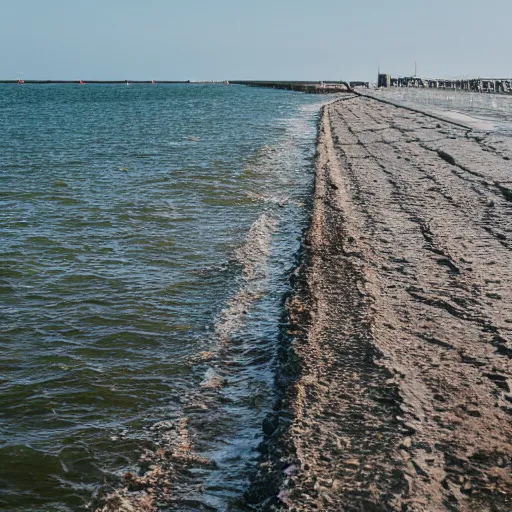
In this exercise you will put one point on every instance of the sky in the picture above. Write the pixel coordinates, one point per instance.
(253, 39)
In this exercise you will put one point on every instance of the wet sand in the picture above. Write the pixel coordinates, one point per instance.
(400, 325)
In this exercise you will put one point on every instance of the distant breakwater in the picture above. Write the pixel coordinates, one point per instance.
(307, 87)
(321, 87)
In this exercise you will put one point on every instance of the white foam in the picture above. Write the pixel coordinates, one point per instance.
(253, 255)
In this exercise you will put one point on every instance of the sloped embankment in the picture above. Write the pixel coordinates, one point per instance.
(402, 319)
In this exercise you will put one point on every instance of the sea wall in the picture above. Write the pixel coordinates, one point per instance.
(396, 362)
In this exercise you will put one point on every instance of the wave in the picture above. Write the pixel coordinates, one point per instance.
(253, 256)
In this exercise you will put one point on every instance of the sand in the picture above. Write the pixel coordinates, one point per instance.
(398, 371)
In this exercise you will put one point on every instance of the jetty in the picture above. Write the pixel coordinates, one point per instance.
(321, 87)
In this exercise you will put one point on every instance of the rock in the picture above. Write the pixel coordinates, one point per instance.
(407, 442)
(270, 424)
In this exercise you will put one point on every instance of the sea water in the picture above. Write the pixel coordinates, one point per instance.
(147, 234)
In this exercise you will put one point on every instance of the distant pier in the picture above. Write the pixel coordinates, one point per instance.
(484, 85)
(327, 87)
(320, 87)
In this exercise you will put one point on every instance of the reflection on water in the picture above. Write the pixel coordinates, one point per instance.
(147, 234)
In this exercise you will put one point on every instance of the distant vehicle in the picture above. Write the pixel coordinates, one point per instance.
(82, 82)
(21, 81)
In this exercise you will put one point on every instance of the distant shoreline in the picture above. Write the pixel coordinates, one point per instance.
(325, 86)
(319, 87)
(43, 82)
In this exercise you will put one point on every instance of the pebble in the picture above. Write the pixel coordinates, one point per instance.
(407, 442)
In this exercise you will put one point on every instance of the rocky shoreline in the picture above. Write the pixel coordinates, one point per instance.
(395, 364)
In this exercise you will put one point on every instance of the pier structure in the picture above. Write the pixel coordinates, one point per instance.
(327, 87)
(365, 85)
(486, 85)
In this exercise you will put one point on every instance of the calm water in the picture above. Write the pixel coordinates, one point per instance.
(146, 234)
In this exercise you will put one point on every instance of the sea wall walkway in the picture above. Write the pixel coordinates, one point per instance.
(401, 320)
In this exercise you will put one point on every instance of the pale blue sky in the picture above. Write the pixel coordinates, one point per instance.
(253, 39)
